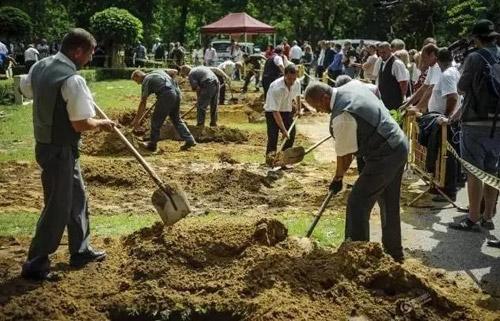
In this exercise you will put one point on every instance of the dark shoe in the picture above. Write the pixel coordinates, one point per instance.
(493, 243)
(149, 146)
(487, 224)
(187, 146)
(465, 225)
(441, 199)
(41, 276)
(81, 259)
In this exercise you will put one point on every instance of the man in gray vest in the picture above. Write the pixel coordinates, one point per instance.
(393, 77)
(168, 100)
(62, 109)
(362, 126)
(207, 86)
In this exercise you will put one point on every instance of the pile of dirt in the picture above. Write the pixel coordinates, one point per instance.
(225, 157)
(239, 269)
(257, 104)
(106, 143)
(20, 186)
(220, 134)
(114, 173)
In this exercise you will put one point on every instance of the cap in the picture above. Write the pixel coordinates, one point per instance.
(484, 28)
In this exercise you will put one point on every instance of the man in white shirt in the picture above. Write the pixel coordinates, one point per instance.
(295, 53)
(423, 94)
(63, 107)
(362, 126)
(210, 56)
(391, 81)
(282, 99)
(320, 68)
(30, 57)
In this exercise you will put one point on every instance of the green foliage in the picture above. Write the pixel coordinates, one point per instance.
(15, 23)
(463, 15)
(396, 115)
(54, 22)
(116, 25)
(6, 92)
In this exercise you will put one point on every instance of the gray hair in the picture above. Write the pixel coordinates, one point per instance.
(398, 44)
(342, 80)
(316, 89)
(383, 44)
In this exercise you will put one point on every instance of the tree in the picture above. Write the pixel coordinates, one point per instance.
(116, 28)
(15, 23)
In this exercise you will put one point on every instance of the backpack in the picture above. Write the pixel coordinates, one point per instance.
(492, 78)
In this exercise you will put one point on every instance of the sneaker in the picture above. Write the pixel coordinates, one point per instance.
(487, 224)
(81, 259)
(494, 243)
(187, 146)
(465, 225)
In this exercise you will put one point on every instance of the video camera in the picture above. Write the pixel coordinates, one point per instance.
(460, 49)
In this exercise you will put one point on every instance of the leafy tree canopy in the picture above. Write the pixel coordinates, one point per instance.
(15, 23)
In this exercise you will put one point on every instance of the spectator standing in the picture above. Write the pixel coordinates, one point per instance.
(269, 51)
(273, 68)
(370, 73)
(210, 56)
(307, 60)
(140, 55)
(480, 141)
(43, 49)
(392, 79)
(178, 54)
(320, 68)
(30, 57)
(397, 44)
(350, 60)
(336, 67)
(286, 48)
(295, 53)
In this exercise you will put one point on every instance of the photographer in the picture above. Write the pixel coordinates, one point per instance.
(480, 142)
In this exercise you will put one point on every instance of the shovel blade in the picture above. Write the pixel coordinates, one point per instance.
(293, 155)
(169, 213)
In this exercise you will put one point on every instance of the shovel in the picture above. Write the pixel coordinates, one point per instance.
(170, 203)
(279, 154)
(296, 154)
(320, 212)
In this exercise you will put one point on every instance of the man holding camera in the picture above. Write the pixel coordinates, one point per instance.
(480, 141)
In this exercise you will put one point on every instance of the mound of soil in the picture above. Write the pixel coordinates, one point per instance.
(114, 173)
(221, 134)
(238, 269)
(225, 157)
(257, 104)
(106, 143)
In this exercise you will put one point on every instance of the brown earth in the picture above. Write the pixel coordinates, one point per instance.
(220, 134)
(232, 268)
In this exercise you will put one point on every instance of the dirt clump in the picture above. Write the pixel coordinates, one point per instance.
(225, 157)
(235, 268)
(257, 104)
(114, 173)
(220, 134)
(106, 143)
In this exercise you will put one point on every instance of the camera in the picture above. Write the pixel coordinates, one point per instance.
(460, 49)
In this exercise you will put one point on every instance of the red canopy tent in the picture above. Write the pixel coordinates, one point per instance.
(238, 23)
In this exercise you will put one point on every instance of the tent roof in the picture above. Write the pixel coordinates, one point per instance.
(237, 23)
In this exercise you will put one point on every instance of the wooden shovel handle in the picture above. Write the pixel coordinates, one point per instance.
(313, 147)
(167, 189)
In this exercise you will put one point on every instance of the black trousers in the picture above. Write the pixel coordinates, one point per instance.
(273, 131)
(319, 71)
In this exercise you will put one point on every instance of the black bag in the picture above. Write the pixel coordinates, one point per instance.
(492, 77)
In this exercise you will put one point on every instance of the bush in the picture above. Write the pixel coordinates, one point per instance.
(6, 92)
(100, 74)
(15, 23)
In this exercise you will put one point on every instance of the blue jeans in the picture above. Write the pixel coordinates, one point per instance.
(479, 149)
(168, 104)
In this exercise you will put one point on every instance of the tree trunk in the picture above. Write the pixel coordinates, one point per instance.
(183, 20)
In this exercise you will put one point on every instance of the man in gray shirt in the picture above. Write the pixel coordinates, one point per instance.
(168, 99)
(205, 83)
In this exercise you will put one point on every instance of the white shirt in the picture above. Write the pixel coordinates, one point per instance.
(76, 94)
(210, 54)
(279, 97)
(227, 66)
(295, 52)
(321, 57)
(344, 128)
(3, 48)
(433, 75)
(31, 54)
(370, 72)
(446, 85)
(398, 70)
(278, 61)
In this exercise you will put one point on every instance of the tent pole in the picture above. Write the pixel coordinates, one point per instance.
(246, 47)
(274, 40)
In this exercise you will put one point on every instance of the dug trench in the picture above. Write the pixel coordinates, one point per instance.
(227, 268)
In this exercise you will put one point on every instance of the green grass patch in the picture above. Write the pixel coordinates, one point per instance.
(116, 95)
(23, 223)
(16, 133)
(328, 232)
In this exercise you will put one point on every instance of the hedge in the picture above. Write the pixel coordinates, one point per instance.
(6, 91)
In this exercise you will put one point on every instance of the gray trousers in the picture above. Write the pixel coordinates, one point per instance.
(168, 104)
(65, 205)
(380, 181)
(209, 95)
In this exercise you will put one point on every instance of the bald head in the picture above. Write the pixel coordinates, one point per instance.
(318, 95)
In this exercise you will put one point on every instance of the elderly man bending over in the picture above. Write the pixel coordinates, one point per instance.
(362, 126)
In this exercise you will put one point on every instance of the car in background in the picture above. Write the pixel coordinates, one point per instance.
(355, 42)
(222, 48)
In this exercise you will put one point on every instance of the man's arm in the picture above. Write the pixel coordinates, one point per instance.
(91, 124)
(279, 122)
(451, 104)
(140, 111)
(404, 87)
(424, 100)
(343, 164)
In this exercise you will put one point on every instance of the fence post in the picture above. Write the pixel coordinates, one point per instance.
(18, 98)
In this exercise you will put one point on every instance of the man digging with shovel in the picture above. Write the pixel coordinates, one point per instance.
(361, 125)
(168, 99)
(282, 98)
